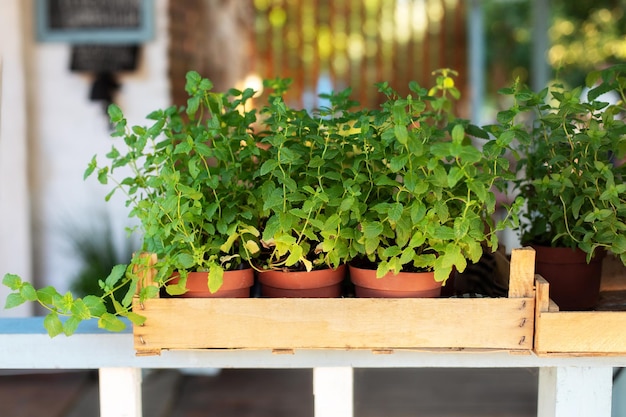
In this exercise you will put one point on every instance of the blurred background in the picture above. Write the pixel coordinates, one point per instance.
(63, 61)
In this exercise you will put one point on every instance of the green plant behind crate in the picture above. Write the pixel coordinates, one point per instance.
(97, 252)
(571, 173)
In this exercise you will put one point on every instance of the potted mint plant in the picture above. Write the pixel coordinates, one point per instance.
(187, 179)
(304, 224)
(571, 181)
(423, 193)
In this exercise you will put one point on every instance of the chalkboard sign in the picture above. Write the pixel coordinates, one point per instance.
(95, 21)
(104, 58)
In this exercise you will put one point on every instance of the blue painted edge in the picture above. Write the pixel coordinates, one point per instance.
(34, 325)
(97, 36)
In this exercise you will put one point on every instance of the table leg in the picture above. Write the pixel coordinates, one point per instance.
(120, 392)
(333, 392)
(570, 391)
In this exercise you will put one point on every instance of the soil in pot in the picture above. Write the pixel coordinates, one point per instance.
(402, 285)
(574, 283)
(236, 285)
(322, 283)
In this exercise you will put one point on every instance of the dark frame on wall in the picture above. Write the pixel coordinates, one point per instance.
(95, 21)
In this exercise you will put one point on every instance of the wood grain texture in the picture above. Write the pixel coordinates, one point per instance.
(522, 274)
(350, 323)
(581, 332)
(578, 333)
(346, 323)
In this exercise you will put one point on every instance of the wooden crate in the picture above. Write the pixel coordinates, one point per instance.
(346, 323)
(583, 332)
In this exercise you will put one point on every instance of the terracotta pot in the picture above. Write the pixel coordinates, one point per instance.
(322, 283)
(574, 284)
(403, 285)
(236, 284)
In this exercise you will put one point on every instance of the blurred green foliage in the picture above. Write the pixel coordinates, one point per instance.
(584, 35)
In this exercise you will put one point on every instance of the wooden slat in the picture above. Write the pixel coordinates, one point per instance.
(576, 333)
(522, 279)
(542, 303)
(351, 323)
(581, 332)
(542, 296)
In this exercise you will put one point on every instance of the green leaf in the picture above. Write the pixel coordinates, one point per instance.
(136, 319)
(454, 176)
(216, 278)
(119, 308)
(619, 244)
(372, 229)
(461, 227)
(116, 274)
(148, 292)
(28, 292)
(47, 295)
(70, 325)
(346, 204)
(371, 244)
(193, 103)
(53, 324)
(398, 162)
(90, 168)
(418, 211)
(80, 310)
(295, 254)
(407, 255)
(13, 300)
(395, 212)
(505, 117)
(130, 293)
(383, 269)
(252, 246)
(185, 260)
(275, 199)
(95, 305)
(111, 323)
(401, 133)
(268, 166)
(194, 170)
(391, 251)
(458, 134)
(12, 281)
(576, 205)
(443, 232)
(442, 274)
(115, 113)
(227, 246)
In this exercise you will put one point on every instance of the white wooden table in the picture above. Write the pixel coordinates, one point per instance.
(568, 386)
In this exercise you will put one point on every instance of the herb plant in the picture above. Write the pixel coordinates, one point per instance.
(188, 180)
(425, 194)
(304, 219)
(570, 175)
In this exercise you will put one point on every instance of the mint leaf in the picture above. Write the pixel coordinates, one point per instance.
(53, 324)
(14, 300)
(12, 281)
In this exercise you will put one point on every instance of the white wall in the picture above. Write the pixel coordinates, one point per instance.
(15, 243)
(66, 130)
(70, 131)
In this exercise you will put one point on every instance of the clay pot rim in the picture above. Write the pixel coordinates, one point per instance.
(236, 279)
(302, 279)
(403, 281)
